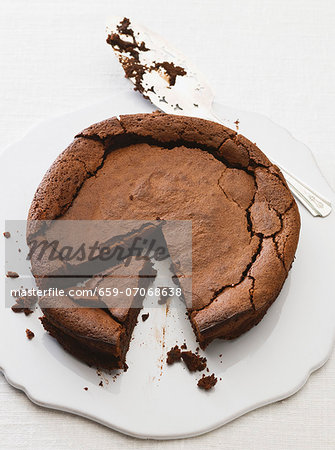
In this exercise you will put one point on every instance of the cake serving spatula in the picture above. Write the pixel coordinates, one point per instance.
(165, 77)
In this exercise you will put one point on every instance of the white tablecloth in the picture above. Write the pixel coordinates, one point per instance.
(275, 57)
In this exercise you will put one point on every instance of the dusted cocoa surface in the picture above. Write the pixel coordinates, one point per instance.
(245, 223)
(222, 246)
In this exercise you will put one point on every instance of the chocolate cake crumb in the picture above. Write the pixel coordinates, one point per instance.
(136, 70)
(184, 346)
(123, 28)
(114, 39)
(29, 334)
(27, 300)
(17, 309)
(145, 317)
(173, 355)
(171, 70)
(207, 382)
(194, 362)
(132, 65)
(25, 304)
(124, 46)
(85, 388)
(6, 234)
(101, 384)
(11, 274)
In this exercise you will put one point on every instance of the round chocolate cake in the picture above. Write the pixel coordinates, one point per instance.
(245, 222)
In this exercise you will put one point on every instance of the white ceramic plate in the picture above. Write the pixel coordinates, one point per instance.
(269, 363)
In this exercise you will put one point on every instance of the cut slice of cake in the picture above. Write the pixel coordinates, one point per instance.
(95, 321)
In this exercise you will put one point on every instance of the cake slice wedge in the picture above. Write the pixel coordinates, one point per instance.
(97, 328)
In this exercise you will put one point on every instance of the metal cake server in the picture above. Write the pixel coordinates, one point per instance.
(165, 77)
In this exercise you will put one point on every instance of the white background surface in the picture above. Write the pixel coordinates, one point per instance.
(272, 57)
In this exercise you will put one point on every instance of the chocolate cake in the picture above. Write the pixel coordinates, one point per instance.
(245, 222)
(91, 327)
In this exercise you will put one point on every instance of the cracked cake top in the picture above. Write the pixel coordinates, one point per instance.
(245, 222)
